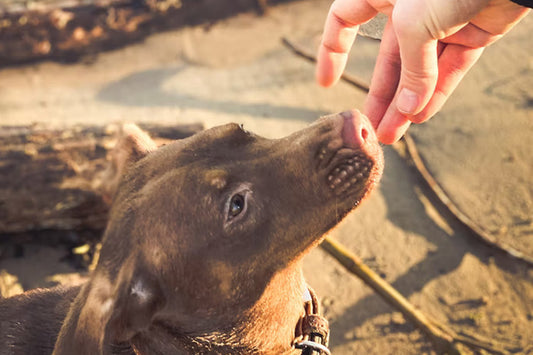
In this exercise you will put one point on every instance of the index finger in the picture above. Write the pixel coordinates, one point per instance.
(340, 30)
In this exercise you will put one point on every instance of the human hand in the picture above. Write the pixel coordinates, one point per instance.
(426, 50)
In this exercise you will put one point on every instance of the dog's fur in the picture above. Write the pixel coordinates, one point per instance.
(202, 252)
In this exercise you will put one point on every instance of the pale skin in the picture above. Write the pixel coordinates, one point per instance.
(427, 48)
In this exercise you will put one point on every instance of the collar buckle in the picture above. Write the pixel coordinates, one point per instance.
(312, 329)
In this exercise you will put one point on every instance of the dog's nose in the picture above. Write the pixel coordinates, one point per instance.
(356, 130)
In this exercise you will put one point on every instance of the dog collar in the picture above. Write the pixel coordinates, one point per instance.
(312, 330)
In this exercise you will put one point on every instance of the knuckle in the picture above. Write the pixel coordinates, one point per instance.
(392, 58)
(422, 22)
(380, 98)
(482, 39)
(336, 47)
(424, 77)
(405, 24)
(340, 20)
(341, 35)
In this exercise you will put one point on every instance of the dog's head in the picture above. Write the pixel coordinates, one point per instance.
(199, 226)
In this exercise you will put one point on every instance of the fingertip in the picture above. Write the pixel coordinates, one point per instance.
(385, 78)
(419, 68)
(420, 118)
(424, 115)
(387, 138)
(323, 78)
(392, 127)
(408, 102)
(340, 31)
(374, 109)
(454, 62)
(391, 136)
(434, 105)
(329, 67)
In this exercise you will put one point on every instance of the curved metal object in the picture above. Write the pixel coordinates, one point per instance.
(305, 344)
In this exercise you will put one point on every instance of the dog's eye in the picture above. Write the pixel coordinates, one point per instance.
(236, 205)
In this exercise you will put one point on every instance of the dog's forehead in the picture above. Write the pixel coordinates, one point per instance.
(231, 133)
(216, 158)
(222, 144)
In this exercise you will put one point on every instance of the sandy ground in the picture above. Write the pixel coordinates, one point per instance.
(478, 148)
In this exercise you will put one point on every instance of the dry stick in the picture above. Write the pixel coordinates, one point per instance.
(476, 230)
(443, 342)
(358, 83)
(443, 338)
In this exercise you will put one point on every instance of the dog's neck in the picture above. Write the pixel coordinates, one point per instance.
(268, 327)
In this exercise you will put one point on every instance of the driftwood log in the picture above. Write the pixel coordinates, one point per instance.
(49, 177)
(65, 30)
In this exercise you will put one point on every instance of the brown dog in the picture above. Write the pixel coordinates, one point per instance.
(202, 253)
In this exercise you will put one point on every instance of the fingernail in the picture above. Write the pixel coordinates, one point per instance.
(407, 102)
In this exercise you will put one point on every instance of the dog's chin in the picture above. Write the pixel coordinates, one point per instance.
(349, 174)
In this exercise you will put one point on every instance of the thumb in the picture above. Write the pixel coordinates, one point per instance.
(418, 53)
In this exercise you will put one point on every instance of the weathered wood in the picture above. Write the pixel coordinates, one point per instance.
(49, 177)
(68, 29)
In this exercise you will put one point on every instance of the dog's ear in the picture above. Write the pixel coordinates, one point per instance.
(133, 144)
(138, 298)
(107, 314)
(82, 330)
